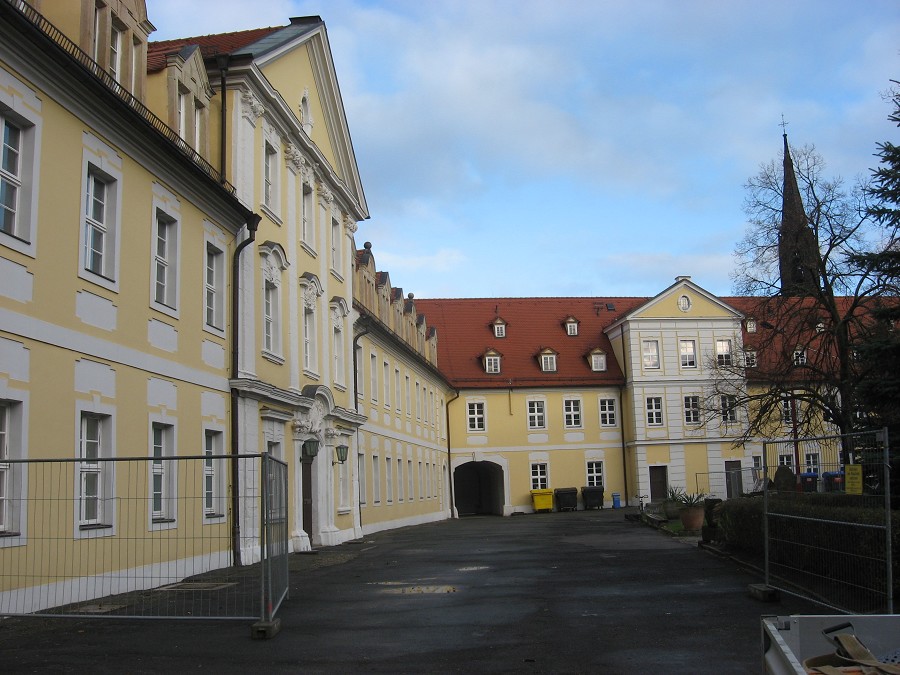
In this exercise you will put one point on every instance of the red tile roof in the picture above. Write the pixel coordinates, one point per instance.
(210, 45)
(465, 333)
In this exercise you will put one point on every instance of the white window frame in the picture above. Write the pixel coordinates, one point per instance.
(166, 237)
(214, 287)
(540, 476)
(376, 479)
(799, 357)
(11, 137)
(116, 35)
(271, 317)
(310, 357)
(337, 247)
(340, 372)
(270, 176)
(162, 474)
(598, 362)
(389, 480)
(724, 352)
(728, 405)
(401, 485)
(100, 520)
(650, 354)
(688, 351)
(214, 470)
(548, 363)
(100, 163)
(692, 409)
(100, 229)
(787, 409)
(492, 364)
(386, 382)
(500, 330)
(476, 417)
(21, 108)
(750, 358)
(13, 476)
(373, 377)
(572, 328)
(572, 413)
(594, 472)
(608, 415)
(361, 472)
(537, 414)
(410, 480)
(308, 217)
(751, 325)
(654, 411)
(811, 462)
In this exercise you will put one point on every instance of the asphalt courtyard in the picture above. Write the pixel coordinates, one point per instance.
(582, 592)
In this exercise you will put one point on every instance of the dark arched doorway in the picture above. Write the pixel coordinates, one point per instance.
(478, 489)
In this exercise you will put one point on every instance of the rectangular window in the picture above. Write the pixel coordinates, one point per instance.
(650, 352)
(361, 472)
(548, 363)
(269, 175)
(811, 462)
(336, 246)
(598, 362)
(475, 416)
(10, 177)
(422, 486)
(692, 410)
(94, 486)
(338, 334)
(406, 396)
(654, 411)
(389, 478)
(572, 413)
(750, 359)
(183, 112)
(213, 475)
(306, 229)
(595, 474)
(607, 412)
(536, 417)
(309, 338)
(198, 125)
(539, 479)
(799, 357)
(5, 471)
(572, 328)
(729, 408)
(787, 409)
(499, 330)
(786, 460)
(409, 479)
(376, 479)
(386, 382)
(723, 352)
(399, 480)
(98, 249)
(688, 354)
(397, 387)
(418, 401)
(373, 377)
(115, 51)
(214, 287)
(492, 364)
(270, 315)
(162, 493)
(165, 261)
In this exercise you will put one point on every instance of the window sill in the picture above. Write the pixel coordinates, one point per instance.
(88, 528)
(211, 516)
(273, 357)
(308, 248)
(271, 214)
(5, 533)
(163, 521)
(344, 511)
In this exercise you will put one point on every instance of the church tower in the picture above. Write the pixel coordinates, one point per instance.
(798, 250)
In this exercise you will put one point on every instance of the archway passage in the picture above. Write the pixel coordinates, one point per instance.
(478, 489)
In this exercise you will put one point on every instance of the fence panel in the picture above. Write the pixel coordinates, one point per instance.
(139, 537)
(274, 566)
(828, 525)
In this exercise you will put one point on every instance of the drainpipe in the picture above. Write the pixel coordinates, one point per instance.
(222, 62)
(365, 331)
(252, 224)
(449, 459)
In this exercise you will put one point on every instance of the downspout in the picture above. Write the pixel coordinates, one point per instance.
(252, 224)
(222, 62)
(622, 413)
(449, 460)
(365, 331)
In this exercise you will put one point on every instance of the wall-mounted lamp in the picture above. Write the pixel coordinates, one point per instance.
(340, 452)
(310, 448)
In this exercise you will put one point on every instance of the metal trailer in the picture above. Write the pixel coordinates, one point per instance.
(788, 640)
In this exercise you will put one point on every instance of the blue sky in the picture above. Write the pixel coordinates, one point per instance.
(583, 148)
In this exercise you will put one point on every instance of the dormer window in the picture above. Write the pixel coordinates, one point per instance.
(571, 325)
(800, 356)
(492, 362)
(597, 360)
(751, 325)
(548, 360)
(499, 326)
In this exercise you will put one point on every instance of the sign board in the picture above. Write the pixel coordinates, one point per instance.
(853, 479)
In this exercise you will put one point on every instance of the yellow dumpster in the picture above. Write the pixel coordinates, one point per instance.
(542, 500)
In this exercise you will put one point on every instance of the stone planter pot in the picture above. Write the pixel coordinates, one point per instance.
(691, 517)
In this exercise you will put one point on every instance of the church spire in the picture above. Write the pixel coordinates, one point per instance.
(798, 251)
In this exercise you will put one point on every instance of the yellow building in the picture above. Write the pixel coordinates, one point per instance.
(114, 253)
(402, 472)
(280, 134)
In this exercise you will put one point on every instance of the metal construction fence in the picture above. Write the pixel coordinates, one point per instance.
(729, 484)
(827, 520)
(145, 537)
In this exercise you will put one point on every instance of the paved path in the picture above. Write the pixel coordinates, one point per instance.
(584, 592)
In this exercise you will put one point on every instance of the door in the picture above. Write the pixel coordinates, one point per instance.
(306, 490)
(659, 483)
(734, 484)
